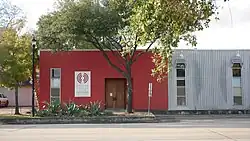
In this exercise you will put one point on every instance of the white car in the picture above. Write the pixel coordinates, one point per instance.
(4, 102)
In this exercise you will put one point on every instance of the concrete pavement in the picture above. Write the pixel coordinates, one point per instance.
(11, 110)
(205, 130)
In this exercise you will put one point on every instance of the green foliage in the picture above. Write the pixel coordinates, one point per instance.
(54, 31)
(123, 25)
(15, 66)
(94, 108)
(169, 22)
(53, 109)
(71, 110)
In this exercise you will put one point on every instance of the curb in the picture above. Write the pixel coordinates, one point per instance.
(201, 117)
(116, 119)
(85, 120)
(88, 120)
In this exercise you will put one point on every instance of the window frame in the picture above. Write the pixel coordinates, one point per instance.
(51, 80)
(237, 66)
(180, 64)
(185, 93)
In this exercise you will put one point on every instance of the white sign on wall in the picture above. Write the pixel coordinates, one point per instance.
(82, 84)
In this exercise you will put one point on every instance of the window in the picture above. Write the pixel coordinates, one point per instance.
(181, 93)
(55, 86)
(236, 70)
(236, 83)
(180, 82)
(55, 73)
(1, 96)
(180, 70)
(181, 90)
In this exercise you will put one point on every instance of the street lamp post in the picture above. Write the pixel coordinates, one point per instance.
(33, 75)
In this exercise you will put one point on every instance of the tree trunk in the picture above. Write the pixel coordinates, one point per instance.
(130, 91)
(16, 101)
(130, 95)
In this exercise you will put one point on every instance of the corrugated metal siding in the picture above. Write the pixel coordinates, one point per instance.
(209, 80)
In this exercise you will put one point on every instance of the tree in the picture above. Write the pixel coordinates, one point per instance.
(16, 67)
(122, 26)
(52, 34)
(12, 20)
(11, 16)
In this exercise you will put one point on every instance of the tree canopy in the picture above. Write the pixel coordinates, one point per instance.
(87, 23)
(11, 16)
(16, 66)
(15, 57)
(15, 60)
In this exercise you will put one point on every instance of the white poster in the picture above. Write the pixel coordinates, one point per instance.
(82, 84)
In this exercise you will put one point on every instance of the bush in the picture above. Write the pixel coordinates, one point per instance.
(71, 109)
(94, 108)
(52, 109)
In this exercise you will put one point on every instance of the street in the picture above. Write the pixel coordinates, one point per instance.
(205, 130)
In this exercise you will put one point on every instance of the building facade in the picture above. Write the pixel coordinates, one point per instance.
(209, 80)
(24, 95)
(82, 76)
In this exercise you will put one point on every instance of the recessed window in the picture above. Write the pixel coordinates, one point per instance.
(181, 83)
(55, 84)
(181, 101)
(180, 72)
(181, 91)
(55, 92)
(180, 69)
(236, 84)
(55, 73)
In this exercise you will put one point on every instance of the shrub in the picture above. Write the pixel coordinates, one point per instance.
(53, 109)
(94, 108)
(72, 110)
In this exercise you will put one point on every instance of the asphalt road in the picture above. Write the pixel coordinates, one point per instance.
(205, 130)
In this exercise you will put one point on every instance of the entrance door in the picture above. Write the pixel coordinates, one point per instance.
(115, 93)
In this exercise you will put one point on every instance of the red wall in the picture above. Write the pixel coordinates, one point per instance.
(100, 69)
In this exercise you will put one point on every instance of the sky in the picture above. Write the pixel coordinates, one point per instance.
(230, 32)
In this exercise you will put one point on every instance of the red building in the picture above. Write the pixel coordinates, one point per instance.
(84, 76)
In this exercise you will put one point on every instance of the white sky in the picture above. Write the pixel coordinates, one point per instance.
(222, 34)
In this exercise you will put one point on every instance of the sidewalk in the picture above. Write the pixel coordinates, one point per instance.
(11, 110)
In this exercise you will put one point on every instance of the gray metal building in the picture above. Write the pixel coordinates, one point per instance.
(209, 80)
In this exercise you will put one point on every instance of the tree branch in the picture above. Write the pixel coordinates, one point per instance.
(98, 46)
(110, 39)
(141, 53)
(134, 49)
(116, 53)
